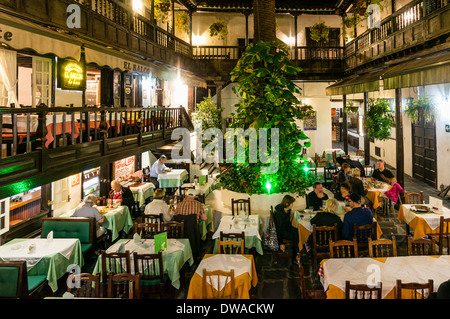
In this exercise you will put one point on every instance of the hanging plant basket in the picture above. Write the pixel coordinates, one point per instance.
(422, 107)
(162, 8)
(219, 29)
(320, 32)
(350, 108)
(379, 119)
(183, 22)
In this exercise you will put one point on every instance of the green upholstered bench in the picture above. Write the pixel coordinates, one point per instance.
(72, 227)
(15, 282)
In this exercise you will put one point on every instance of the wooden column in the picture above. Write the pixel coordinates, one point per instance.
(344, 124)
(246, 13)
(366, 138)
(399, 138)
(190, 27)
(152, 12)
(296, 36)
(173, 17)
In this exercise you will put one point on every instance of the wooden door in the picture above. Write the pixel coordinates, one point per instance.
(424, 152)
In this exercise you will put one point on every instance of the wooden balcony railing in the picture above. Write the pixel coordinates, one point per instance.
(378, 41)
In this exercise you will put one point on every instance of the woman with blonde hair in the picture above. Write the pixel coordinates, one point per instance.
(357, 186)
(327, 217)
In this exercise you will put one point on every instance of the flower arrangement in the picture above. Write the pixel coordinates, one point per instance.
(379, 119)
(219, 29)
(422, 107)
(319, 31)
(183, 22)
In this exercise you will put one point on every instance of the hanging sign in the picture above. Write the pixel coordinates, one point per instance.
(71, 75)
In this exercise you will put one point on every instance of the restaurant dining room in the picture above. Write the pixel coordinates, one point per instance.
(218, 158)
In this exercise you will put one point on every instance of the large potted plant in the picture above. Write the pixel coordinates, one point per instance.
(379, 119)
(268, 100)
(208, 115)
(218, 29)
(422, 107)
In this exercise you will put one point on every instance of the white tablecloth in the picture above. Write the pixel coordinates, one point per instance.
(225, 262)
(369, 271)
(250, 228)
(432, 219)
(44, 247)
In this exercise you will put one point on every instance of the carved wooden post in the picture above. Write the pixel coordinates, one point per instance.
(366, 138)
(42, 137)
(139, 126)
(399, 137)
(344, 124)
(103, 130)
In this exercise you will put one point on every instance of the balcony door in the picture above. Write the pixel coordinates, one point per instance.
(424, 152)
(41, 75)
(315, 49)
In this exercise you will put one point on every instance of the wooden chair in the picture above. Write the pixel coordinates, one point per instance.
(318, 160)
(174, 229)
(308, 294)
(288, 243)
(362, 234)
(146, 230)
(344, 249)
(221, 292)
(232, 236)
(200, 198)
(150, 267)
(168, 198)
(328, 173)
(321, 237)
(13, 278)
(237, 205)
(359, 152)
(114, 262)
(369, 169)
(84, 285)
(443, 236)
(382, 248)
(421, 246)
(124, 286)
(101, 201)
(182, 190)
(227, 247)
(414, 198)
(362, 291)
(417, 290)
(154, 219)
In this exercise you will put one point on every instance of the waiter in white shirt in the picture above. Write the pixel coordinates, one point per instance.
(158, 167)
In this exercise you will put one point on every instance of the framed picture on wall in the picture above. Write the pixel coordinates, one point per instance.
(310, 123)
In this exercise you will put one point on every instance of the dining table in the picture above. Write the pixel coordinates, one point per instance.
(335, 271)
(375, 191)
(45, 257)
(249, 224)
(245, 275)
(142, 192)
(177, 254)
(423, 222)
(117, 219)
(172, 179)
(302, 221)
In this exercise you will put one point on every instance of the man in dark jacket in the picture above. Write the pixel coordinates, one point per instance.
(357, 215)
(315, 199)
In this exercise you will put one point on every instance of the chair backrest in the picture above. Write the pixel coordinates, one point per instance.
(221, 292)
(359, 152)
(168, 198)
(124, 286)
(237, 205)
(150, 266)
(13, 279)
(146, 230)
(71, 227)
(421, 246)
(154, 219)
(84, 285)
(116, 263)
(101, 201)
(382, 248)
(322, 236)
(344, 249)
(362, 233)
(335, 158)
(230, 247)
(183, 189)
(414, 198)
(174, 229)
(362, 291)
(416, 290)
(200, 198)
(369, 169)
(444, 234)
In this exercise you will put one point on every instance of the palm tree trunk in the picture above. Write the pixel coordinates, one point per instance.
(264, 20)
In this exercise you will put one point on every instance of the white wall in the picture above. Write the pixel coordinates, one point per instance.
(75, 194)
(24, 83)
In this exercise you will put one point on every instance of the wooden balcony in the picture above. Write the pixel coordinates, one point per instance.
(41, 145)
(418, 25)
(315, 61)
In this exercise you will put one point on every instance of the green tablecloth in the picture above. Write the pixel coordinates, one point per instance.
(141, 196)
(54, 266)
(205, 225)
(172, 261)
(172, 182)
(117, 221)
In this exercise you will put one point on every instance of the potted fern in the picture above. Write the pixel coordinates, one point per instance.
(319, 31)
(183, 22)
(379, 119)
(219, 29)
(422, 107)
(350, 108)
(162, 8)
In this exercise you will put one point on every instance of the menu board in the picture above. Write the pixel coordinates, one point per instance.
(91, 182)
(124, 167)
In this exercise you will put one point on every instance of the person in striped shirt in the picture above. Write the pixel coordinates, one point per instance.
(190, 206)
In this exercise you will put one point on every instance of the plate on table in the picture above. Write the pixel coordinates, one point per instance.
(421, 209)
